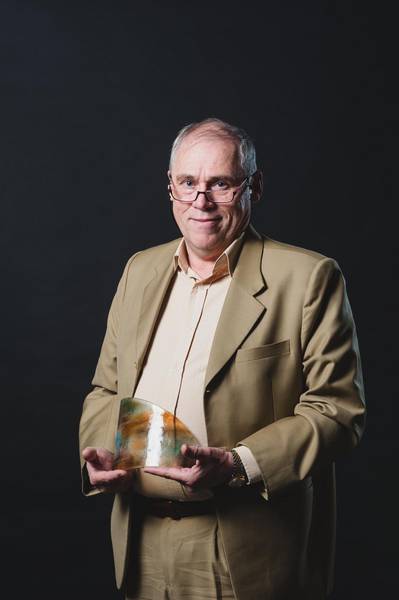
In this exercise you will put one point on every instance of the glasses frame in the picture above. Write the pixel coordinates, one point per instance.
(206, 192)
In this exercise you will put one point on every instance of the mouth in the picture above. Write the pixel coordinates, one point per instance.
(208, 220)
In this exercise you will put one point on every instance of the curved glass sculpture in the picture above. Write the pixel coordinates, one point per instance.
(149, 436)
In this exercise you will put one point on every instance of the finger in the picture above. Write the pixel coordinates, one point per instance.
(89, 454)
(105, 458)
(115, 474)
(204, 453)
(98, 458)
(107, 477)
(191, 451)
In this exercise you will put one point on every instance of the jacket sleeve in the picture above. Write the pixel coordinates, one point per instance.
(329, 416)
(101, 403)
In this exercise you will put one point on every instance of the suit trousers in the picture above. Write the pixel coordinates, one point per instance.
(178, 559)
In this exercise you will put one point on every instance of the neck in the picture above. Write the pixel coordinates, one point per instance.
(202, 265)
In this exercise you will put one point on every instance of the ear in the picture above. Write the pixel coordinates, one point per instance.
(256, 187)
(169, 174)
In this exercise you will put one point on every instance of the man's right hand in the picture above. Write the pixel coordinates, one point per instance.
(99, 463)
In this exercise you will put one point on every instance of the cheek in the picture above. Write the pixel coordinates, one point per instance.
(178, 212)
(242, 210)
(232, 217)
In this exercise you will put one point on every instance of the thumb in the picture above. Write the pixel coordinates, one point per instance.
(89, 454)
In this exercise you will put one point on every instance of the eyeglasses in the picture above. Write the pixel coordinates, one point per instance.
(219, 194)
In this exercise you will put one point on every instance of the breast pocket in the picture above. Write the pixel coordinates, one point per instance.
(266, 351)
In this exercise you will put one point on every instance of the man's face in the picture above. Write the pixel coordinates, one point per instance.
(201, 161)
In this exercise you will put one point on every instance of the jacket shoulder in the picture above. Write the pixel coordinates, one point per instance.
(282, 261)
(288, 252)
(152, 256)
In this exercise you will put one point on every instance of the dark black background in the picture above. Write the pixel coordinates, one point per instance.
(92, 95)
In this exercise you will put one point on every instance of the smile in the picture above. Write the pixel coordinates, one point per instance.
(205, 220)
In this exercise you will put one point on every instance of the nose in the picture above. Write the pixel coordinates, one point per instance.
(202, 202)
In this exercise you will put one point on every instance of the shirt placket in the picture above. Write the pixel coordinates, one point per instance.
(197, 299)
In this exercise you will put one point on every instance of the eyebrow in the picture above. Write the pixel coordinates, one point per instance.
(211, 180)
(183, 176)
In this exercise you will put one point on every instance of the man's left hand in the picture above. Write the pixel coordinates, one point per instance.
(213, 466)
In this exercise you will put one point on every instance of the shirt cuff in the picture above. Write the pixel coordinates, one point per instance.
(251, 467)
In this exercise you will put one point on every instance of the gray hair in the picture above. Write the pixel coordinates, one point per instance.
(220, 128)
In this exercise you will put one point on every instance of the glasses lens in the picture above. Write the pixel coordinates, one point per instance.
(184, 195)
(220, 196)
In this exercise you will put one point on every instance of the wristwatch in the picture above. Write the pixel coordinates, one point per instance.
(239, 476)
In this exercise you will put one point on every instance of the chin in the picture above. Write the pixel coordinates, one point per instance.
(206, 242)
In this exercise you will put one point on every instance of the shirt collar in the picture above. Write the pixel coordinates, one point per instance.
(224, 265)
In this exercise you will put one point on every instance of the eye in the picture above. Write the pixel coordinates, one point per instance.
(187, 183)
(220, 185)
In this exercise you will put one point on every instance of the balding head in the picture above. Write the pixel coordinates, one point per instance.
(216, 128)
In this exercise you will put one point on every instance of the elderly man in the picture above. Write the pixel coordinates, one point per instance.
(252, 344)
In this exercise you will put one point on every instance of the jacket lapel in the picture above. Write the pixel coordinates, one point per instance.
(153, 296)
(241, 310)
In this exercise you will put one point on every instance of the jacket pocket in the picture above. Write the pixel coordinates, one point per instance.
(275, 349)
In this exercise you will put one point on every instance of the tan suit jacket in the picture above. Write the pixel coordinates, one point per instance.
(283, 378)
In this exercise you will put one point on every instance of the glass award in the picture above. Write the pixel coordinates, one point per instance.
(149, 436)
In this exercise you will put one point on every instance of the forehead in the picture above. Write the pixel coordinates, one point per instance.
(206, 150)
